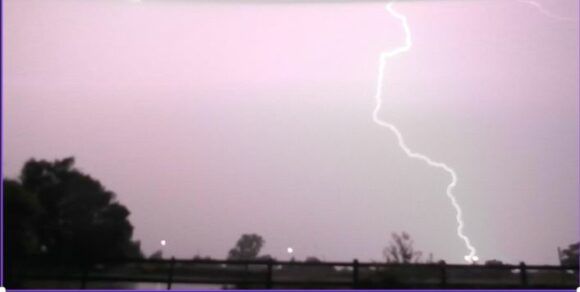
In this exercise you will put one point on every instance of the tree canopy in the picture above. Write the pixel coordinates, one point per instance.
(247, 248)
(60, 212)
(401, 250)
(22, 213)
(569, 256)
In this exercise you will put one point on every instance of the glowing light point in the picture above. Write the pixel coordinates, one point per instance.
(290, 250)
(163, 243)
(471, 259)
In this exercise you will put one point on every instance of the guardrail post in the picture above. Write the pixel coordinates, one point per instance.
(355, 274)
(523, 274)
(170, 276)
(443, 271)
(269, 275)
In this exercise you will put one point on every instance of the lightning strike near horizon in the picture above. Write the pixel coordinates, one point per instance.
(545, 11)
(471, 256)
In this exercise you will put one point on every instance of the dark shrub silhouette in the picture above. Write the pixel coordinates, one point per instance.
(247, 248)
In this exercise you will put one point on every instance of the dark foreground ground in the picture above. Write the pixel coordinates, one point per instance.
(213, 274)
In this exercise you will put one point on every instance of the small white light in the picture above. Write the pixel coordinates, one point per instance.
(163, 242)
(290, 250)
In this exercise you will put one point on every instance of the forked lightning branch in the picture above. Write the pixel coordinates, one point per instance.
(472, 253)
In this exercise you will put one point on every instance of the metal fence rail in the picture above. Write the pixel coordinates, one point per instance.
(293, 274)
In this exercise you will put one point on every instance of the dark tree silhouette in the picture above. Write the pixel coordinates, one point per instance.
(80, 220)
(266, 257)
(158, 255)
(247, 248)
(569, 256)
(22, 211)
(200, 257)
(312, 259)
(494, 263)
(400, 249)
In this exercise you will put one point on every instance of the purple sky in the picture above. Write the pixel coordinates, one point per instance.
(210, 121)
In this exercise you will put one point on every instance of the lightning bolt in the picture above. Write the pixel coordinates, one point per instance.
(471, 256)
(545, 11)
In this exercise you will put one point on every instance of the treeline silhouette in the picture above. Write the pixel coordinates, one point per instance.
(56, 212)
